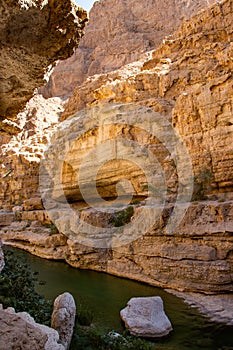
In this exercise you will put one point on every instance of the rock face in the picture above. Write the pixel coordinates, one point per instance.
(21, 154)
(188, 81)
(20, 331)
(118, 33)
(196, 257)
(34, 237)
(33, 35)
(105, 157)
(63, 318)
(145, 317)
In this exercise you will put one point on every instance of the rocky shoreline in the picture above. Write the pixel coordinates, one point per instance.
(19, 329)
(184, 77)
(217, 308)
(41, 238)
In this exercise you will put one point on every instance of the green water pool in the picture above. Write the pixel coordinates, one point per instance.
(106, 295)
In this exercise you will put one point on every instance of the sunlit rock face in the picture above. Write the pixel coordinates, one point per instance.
(21, 153)
(119, 32)
(118, 156)
(145, 317)
(196, 256)
(187, 81)
(33, 35)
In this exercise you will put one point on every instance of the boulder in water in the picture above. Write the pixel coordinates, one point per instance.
(145, 317)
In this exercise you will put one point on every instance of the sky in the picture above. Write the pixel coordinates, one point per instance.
(86, 4)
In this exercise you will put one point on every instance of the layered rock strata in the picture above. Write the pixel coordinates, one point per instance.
(219, 308)
(118, 33)
(197, 256)
(188, 81)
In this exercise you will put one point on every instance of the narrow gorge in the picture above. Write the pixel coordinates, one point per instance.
(122, 161)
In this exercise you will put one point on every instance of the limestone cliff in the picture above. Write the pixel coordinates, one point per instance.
(20, 154)
(118, 33)
(33, 35)
(197, 256)
(187, 81)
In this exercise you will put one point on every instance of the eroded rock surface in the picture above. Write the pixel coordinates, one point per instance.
(118, 33)
(21, 154)
(188, 81)
(145, 317)
(63, 317)
(20, 331)
(218, 308)
(33, 35)
(1, 258)
(200, 249)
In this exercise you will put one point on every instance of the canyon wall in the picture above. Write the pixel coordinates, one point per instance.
(196, 256)
(33, 36)
(188, 79)
(118, 33)
(187, 82)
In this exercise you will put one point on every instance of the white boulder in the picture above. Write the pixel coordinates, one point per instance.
(145, 317)
(20, 331)
(63, 318)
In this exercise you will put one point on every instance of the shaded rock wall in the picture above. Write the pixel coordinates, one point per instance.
(33, 35)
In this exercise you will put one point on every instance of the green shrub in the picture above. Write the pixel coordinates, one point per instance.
(221, 200)
(17, 290)
(202, 184)
(84, 314)
(122, 217)
(92, 338)
(53, 229)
